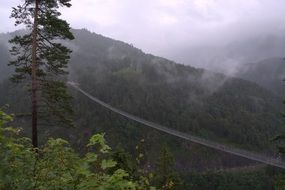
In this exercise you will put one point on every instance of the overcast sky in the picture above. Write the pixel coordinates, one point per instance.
(160, 26)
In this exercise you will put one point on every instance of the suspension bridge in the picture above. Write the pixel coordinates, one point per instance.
(189, 137)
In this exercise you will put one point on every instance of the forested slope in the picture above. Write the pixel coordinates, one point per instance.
(4, 58)
(175, 95)
(269, 73)
(210, 105)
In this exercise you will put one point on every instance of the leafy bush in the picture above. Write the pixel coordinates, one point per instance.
(56, 166)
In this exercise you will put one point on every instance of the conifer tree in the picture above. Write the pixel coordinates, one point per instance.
(165, 176)
(40, 59)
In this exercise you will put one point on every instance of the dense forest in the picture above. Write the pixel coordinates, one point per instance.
(229, 110)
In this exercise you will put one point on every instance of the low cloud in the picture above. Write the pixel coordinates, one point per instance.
(175, 28)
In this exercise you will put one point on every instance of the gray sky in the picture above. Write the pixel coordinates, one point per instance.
(162, 26)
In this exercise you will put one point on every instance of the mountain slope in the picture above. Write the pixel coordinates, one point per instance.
(227, 58)
(181, 96)
(207, 104)
(4, 60)
(268, 73)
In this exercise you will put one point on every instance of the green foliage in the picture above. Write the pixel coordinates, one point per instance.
(5, 71)
(137, 167)
(17, 157)
(191, 100)
(99, 139)
(279, 139)
(165, 176)
(124, 161)
(258, 180)
(56, 166)
(280, 182)
(52, 57)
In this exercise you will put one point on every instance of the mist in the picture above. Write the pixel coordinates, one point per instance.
(218, 35)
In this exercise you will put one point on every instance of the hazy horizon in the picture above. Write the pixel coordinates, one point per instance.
(198, 32)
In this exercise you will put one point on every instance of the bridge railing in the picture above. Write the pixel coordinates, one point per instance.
(208, 143)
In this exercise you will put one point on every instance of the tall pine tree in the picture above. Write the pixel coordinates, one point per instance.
(41, 61)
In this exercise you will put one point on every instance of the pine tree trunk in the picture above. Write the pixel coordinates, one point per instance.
(34, 79)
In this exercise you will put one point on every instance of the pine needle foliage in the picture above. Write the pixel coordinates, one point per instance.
(40, 59)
